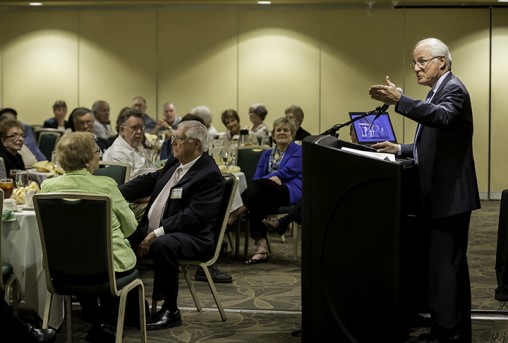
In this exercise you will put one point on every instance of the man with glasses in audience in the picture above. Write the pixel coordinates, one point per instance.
(181, 216)
(128, 146)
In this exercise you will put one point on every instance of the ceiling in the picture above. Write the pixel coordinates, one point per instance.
(53, 4)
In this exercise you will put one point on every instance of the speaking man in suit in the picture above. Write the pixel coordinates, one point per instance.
(443, 151)
(181, 215)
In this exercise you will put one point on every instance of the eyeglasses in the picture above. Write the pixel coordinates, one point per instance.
(422, 63)
(178, 139)
(136, 127)
(98, 150)
(16, 136)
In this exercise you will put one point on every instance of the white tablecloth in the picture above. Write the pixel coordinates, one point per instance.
(242, 184)
(21, 247)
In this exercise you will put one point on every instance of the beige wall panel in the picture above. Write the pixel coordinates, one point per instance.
(198, 61)
(279, 64)
(117, 58)
(466, 32)
(499, 148)
(358, 51)
(39, 62)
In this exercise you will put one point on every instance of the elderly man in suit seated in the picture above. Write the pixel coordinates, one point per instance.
(181, 215)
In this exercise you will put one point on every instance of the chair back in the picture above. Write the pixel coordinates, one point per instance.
(47, 142)
(227, 201)
(118, 171)
(247, 159)
(3, 172)
(75, 232)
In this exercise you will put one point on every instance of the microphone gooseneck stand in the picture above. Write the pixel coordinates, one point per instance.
(333, 131)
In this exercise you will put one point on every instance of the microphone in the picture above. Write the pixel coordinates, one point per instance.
(381, 109)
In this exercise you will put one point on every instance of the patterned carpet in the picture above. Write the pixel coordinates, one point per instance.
(263, 304)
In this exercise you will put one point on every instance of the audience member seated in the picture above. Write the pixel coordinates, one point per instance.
(167, 146)
(257, 115)
(128, 146)
(30, 151)
(170, 121)
(12, 137)
(276, 182)
(102, 125)
(78, 155)
(139, 104)
(181, 216)
(16, 330)
(206, 115)
(58, 121)
(82, 119)
(296, 113)
(231, 121)
(131, 193)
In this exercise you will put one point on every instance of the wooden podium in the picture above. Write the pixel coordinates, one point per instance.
(359, 257)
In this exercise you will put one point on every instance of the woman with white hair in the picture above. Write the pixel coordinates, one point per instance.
(206, 114)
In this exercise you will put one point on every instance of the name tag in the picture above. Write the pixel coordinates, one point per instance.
(176, 193)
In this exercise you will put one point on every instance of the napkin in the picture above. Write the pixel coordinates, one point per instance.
(8, 216)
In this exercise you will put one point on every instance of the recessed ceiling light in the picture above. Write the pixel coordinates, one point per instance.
(264, 2)
(35, 3)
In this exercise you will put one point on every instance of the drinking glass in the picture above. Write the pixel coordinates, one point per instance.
(7, 186)
(22, 178)
(12, 173)
(226, 158)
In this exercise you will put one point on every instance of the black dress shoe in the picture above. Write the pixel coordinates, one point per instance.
(218, 276)
(41, 335)
(164, 319)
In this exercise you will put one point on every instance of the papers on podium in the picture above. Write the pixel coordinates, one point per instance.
(378, 155)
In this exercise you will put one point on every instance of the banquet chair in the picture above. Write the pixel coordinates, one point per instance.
(78, 254)
(119, 171)
(227, 200)
(47, 142)
(247, 159)
(9, 283)
(3, 172)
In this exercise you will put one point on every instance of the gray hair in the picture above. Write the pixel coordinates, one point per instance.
(297, 112)
(204, 113)
(194, 129)
(437, 48)
(259, 109)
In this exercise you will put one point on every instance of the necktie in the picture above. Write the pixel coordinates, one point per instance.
(155, 212)
(418, 129)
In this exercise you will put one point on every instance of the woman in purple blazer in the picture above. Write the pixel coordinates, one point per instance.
(276, 182)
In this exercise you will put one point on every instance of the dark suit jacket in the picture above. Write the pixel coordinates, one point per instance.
(51, 123)
(196, 212)
(447, 173)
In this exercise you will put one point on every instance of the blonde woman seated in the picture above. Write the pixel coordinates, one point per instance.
(78, 155)
(277, 182)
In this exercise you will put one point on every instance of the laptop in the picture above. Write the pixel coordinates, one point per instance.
(370, 130)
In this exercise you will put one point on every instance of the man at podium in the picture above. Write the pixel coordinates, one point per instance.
(443, 152)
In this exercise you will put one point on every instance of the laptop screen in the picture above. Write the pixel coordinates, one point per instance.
(370, 131)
